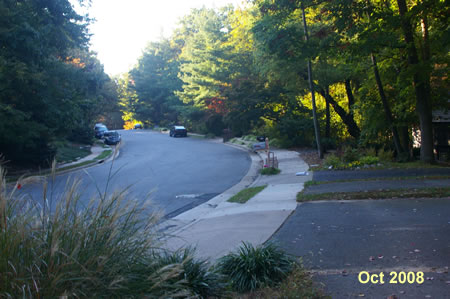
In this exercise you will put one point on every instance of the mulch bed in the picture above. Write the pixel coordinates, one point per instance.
(310, 156)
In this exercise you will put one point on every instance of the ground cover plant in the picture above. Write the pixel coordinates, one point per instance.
(270, 171)
(250, 268)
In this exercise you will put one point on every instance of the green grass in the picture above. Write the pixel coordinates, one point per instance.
(244, 195)
(103, 155)
(425, 177)
(70, 152)
(270, 171)
(377, 194)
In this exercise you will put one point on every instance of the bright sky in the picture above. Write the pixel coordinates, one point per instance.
(124, 27)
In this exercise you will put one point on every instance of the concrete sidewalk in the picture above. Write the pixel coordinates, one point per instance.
(217, 227)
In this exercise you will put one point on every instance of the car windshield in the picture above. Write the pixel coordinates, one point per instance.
(179, 128)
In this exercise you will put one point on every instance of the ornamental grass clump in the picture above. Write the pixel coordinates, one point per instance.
(107, 249)
(251, 268)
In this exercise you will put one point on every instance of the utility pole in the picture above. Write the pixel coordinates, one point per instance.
(311, 87)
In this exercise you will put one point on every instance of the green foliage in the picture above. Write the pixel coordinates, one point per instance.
(51, 86)
(197, 274)
(150, 98)
(334, 161)
(386, 155)
(350, 154)
(369, 160)
(270, 171)
(250, 268)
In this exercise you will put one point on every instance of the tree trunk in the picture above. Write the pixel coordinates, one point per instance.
(421, 82)
(347, 118)
(387, 109)
(327, 117)
(351, 99)
(311, 86)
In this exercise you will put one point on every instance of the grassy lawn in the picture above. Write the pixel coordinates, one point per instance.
(377, 194)
(429, 177)
(244, 195)
(69, 152)
(104, 154)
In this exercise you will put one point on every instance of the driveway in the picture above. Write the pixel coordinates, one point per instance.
(339, 240)
(176, 174)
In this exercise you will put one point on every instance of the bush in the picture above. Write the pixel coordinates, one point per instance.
(106, 249)
(350, 154)
(369, 160)
(270, 171)
(251, 268)
(334, 161)
(386, 155)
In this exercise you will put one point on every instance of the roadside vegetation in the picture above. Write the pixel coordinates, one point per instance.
(244, 195)
(252, 78)
(69, 152)
(270, 171)
(377, 194)
(109, 247)
(348, 158)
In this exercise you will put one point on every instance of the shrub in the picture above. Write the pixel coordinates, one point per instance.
(334, 161)
(386, 155)
(196, 273)
(350, 154)
(274, 142)
(270, 171)
(370, 152)
(250, 268)
(369, 160)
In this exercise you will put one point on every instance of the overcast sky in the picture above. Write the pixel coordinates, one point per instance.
(124, 27)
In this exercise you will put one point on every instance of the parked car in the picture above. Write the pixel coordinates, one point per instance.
(178, 131)
(100, 130)
(112, 137)
(138, 126)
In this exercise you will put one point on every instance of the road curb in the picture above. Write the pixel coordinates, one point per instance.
(175, 225)
(48, 172)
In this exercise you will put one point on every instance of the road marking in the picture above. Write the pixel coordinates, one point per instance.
(188, 195)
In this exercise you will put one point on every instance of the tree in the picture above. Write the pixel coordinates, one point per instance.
(50, 85)
(155, 80)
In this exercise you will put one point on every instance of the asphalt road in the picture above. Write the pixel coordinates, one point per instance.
(176, 174)
(339, 239)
